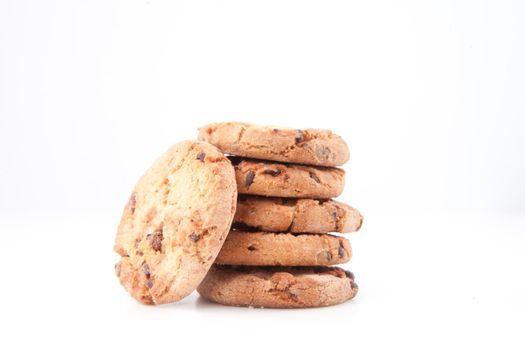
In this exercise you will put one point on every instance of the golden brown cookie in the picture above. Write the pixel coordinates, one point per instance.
(283, 249)
(310, 146)
(272, 179)
(296, 215)
(278, 287)
(175, 223)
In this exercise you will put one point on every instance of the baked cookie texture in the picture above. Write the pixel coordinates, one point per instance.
(310, 146)
(278, 287)
(272, 179)
(283, 249)
(296, 215)
(175, 223)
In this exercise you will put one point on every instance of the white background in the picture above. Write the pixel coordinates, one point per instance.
(428, 94)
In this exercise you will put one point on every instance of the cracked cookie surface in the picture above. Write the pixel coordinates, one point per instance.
(278, 287)
(309, 146)
(271, 179)
(175, 223)
(283, 249)
(296, 215)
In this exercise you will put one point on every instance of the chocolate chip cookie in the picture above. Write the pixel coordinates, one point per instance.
(310, 146)
(283, 249)
(278, 287)
(175, 223)
(296, 215)
(273, 179)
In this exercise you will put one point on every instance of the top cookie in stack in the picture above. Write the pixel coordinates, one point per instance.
(310, 146)
(286, 179)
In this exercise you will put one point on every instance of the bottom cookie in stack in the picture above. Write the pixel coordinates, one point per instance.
(278, 287)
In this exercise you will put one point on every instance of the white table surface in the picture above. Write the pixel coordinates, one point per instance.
(427, 280)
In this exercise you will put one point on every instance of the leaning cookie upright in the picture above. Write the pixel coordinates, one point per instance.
(279, 253)
(175, 223)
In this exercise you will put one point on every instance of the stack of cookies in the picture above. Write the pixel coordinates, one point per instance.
(266, 203)
(279, 252)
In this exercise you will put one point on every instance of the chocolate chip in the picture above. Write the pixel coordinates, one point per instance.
(341, 252)
(315, 177)
(349, 275)
(132, 203)
(272, 172)
(194, 237)
(354, 285)
(251, 248)
(275, 130)
(149, 283)
(249, 179)
(144, 269)
(201, 156)
(299, 137)
(155, 240)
